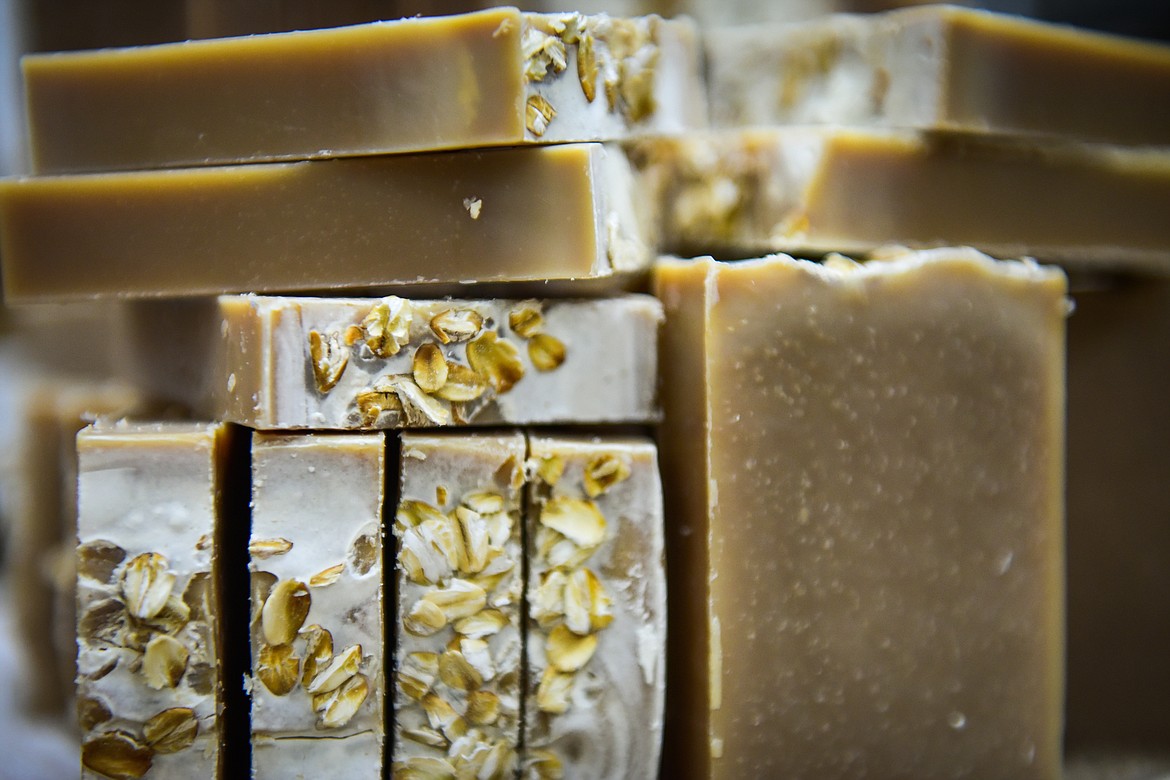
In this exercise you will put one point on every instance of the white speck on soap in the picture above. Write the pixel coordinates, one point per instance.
(231, 383)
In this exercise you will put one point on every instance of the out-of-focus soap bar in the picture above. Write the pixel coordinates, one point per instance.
(43, 535)
(506, 215)
(318, 664)
(496, 78)
(350, 363)
(460, 584)
(942, 68)
(1118, 700)
(863, 469)
(823, 190)
(149, 628)
(596, 627)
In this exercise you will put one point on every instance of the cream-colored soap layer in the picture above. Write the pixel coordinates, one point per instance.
(800, 190)
(317, 520)
(560, 214)
(143, 490)
(459, 573)
(601, 718)
(875, 513)
(575, 360)
(941, 69)
(410, 85)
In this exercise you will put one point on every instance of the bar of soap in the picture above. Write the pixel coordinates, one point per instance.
(507, 215)
(459, 571)
(496, 78)
(821, 190)
(1118, 700)
(43, 537)
(596, 639)
(863, 468)
(941, 68)
(149, 652)
(318, 664)
(280, 363)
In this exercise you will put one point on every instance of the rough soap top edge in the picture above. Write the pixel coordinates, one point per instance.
(886, 263)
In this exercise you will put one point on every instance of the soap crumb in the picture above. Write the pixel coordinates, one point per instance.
(473, 206)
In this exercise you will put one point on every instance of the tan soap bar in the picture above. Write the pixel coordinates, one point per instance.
(863, 468)
(596, 628)
(280, 363)
(536, 214)
(1118, 699)
(821, 190)
(459, 572)
(318, 665)
(42, 538)
(149, 633)
(941, 68)
(496, 78)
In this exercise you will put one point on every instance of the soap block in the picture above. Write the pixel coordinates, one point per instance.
(495, 78)
(941, 68)
(596, 627)
(459, 572)
(563, 214)
(1118, 701)
(357, 363)
(42, 540)
(863, 467)
(317, 620)
(797, 190)
(149, 652)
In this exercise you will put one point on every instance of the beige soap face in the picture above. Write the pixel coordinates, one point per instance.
(868, 466)
(147, 572)
(350, 363)
(317, 620)
(562, 215)
(796, 190)
(496, 78)
(941, 68)
(459, 567)
(597, 609)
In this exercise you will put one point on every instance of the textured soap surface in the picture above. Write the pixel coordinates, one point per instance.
(800, 190)
(542, 214)
(864, 470)
(460, 584)
(149, 687)
(358, 363)
(941, 68)
(318, 661)
(596, 628)
(496, 78)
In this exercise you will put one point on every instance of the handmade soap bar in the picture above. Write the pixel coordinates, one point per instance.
(596, 635)
(535, 214)
(280, 363)
(317, 629)
(496, 78)
(1118, 535)
(149, 653)
(460, 587)
(743, 193)
(42, 540)
(863, 472)
(941, 68)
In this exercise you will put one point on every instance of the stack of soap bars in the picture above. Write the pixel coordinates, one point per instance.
(407, 282)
